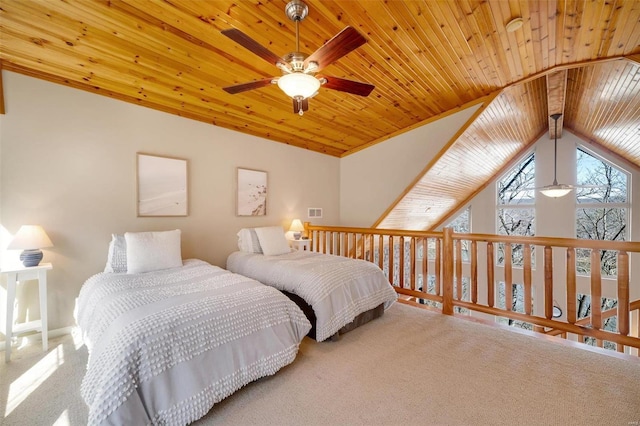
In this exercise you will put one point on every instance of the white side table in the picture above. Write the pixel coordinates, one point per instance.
(15, 275)
(300, 245)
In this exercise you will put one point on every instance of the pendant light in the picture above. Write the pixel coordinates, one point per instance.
(556, 190)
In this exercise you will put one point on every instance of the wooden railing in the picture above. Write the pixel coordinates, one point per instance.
(458, 272)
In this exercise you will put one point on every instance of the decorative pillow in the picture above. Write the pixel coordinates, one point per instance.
(272, 240)
(117, 257)
(152, 251)
(248, 241)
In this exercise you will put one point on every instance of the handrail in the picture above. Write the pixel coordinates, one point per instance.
(428, 266)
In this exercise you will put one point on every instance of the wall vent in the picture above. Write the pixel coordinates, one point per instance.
(315, 213)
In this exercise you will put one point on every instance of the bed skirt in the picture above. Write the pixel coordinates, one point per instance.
(359, 320)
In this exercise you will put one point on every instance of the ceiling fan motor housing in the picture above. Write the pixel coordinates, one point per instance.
(296, 10)
(295, 61)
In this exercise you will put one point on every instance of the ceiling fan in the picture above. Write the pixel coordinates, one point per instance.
(299, 80)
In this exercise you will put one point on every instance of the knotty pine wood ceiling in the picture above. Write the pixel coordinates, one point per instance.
(427, 59)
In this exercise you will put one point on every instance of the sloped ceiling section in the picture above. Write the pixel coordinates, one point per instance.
(604, 106)
(513, 120)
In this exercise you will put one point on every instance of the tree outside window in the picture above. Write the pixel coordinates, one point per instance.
(516, 216)
(602, 213)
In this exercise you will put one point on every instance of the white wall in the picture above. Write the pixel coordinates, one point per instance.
(69, 164)
(372, 179)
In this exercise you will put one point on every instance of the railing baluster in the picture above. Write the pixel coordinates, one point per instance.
(412, 273)
(391, 265)
(596, 293)
(401, 262)
(474, 272)
(623, 295)
(425, 265)
(571, 286)
(381, 252)
(447, 273)
(527, 279)
(458, 245)
(371, 249)
(508, 278)
(438, 266)
(330, 242)
(548, 282)
(490, 283)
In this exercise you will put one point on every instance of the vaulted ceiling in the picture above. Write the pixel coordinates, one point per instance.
(427, 59)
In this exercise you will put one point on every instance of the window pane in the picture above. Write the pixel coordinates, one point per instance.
(599, 181)
(461, 223)
(600, 224)
(516, 222)
(518, 185)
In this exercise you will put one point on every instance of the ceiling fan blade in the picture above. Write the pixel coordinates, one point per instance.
(349, 86)
(341, 44)
(243, 87)
(250, 44)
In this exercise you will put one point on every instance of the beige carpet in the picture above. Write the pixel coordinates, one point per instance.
(409, 367)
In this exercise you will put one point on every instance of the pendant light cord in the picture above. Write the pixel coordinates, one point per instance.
(555, 148)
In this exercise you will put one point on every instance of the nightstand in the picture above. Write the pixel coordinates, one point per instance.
(14, 276)
(300, 245)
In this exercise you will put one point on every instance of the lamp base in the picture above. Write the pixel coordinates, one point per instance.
(31, 257)
(297, 235)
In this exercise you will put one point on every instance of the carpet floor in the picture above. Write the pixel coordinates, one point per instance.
(408, 367)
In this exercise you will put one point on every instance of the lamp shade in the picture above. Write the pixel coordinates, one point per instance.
(30, 237)
(296, 226)
(298, 84)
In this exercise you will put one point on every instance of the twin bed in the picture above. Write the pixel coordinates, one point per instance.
(168, 339)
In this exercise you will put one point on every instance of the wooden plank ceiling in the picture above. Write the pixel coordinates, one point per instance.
(426, 59)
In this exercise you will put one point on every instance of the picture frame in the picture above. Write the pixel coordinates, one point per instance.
(251, 194)
(161, 186)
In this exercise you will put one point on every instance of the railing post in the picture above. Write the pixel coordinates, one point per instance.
(447, 273)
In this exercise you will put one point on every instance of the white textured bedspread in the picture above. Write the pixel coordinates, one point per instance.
(337, 288)
(165, 346)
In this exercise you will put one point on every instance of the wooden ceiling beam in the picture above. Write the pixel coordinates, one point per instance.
(556, 96)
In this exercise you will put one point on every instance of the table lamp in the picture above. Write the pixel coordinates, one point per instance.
(30, 238)
(296, 228)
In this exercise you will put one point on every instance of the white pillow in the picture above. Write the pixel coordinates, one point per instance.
(248, 241)
(152, 251)
(272, 240)
(117, 257)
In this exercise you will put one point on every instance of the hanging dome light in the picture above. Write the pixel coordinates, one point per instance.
(298, 85)
(556, 190)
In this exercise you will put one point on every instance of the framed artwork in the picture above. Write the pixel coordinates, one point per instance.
(252, 193)
(162, 186)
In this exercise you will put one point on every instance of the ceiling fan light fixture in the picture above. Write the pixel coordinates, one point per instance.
(298, 85)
